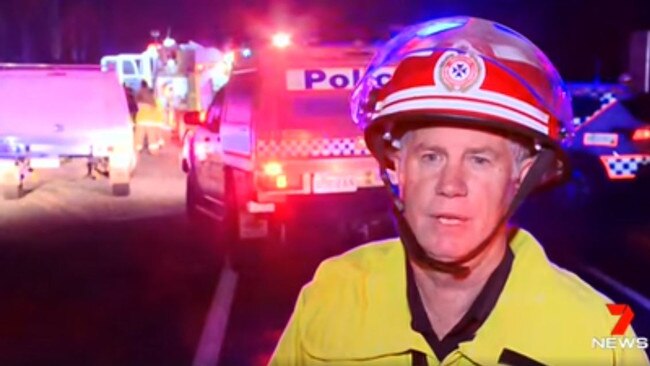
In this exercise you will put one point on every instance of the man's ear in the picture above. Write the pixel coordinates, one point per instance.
(525, 168)
(394, 157)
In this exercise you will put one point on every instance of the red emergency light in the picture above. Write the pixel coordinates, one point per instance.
(641, 134)
(281, 40)
(153, 47)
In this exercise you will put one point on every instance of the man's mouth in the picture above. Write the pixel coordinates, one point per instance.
(450, 219)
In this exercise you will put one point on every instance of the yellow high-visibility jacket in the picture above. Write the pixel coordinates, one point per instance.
(355, 312)
(149, 114)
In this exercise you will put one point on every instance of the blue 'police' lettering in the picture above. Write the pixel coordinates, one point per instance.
(339, 81)
(356, 76)
(312, 77)
(382, 79)
(318, 79)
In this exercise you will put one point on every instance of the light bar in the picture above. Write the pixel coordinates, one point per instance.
(281, 40)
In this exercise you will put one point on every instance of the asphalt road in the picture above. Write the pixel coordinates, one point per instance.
(91, 279)
(87, 278)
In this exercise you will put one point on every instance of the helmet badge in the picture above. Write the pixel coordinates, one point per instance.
(458, 72)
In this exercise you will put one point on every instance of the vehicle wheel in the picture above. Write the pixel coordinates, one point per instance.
(244, 254)
(12, 192)
(121, 189)
(192, 199)
(228, 226)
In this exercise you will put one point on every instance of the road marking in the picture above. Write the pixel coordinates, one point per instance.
(214, 330)
(628, 292)
(159, 213)
(208, 213)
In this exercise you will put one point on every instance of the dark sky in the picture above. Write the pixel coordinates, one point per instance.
(580, 36)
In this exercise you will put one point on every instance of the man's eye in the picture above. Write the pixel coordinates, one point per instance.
(480, 160)
(430, 157)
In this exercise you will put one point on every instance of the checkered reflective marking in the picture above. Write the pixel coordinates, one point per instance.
(301, 148)
(624, 166)
(605, 100)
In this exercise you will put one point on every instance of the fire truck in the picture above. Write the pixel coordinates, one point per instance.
(278, 141)
(184, 77)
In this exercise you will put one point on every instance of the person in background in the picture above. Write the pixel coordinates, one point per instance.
(150, 122)
(145, 94)
(132, 103)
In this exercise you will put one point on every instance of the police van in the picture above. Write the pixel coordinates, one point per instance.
(278, 142)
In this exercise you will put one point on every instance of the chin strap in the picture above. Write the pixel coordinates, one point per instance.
(543, 163)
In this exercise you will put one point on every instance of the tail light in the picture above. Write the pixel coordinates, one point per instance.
(194, 118)
(281, 181)
(641, 134)
(274, 178)
(272, 169)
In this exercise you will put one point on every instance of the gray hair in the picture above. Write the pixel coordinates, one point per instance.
(520, 152)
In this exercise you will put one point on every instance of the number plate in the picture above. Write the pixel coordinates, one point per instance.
(44, 163)
(600, 139)
(325, 183)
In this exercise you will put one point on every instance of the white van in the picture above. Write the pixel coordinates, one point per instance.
(50, 114)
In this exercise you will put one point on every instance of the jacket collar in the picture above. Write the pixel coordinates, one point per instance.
(385, 319)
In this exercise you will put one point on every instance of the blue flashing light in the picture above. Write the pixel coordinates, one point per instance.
(440, 26)
(246, 52)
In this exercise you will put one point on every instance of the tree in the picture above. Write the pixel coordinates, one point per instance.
(80, 32)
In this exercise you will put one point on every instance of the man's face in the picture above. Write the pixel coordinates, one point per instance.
(456, 184)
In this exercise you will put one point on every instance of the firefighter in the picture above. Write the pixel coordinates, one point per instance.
(145, 94)
(469, 123)
(150, 120)
(131, 101)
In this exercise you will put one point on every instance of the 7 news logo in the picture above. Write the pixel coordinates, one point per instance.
(618, 339)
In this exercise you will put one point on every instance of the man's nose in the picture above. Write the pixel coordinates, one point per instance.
(451, 182)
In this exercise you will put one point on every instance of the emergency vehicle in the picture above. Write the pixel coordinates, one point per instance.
(131, 68)
(611, 143)
(612, 140)
(278, 138)
(184, 77)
